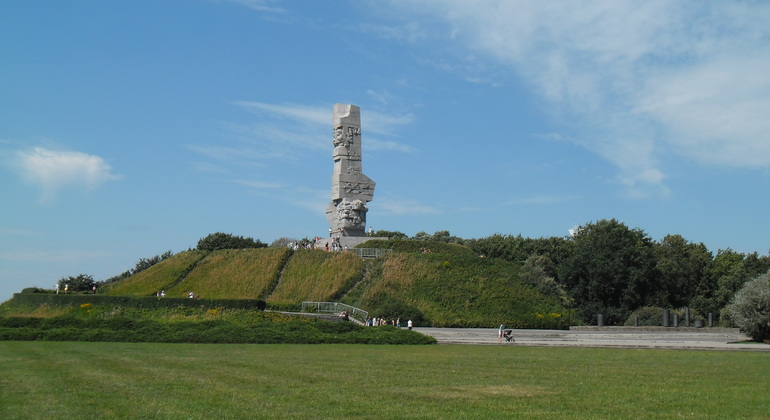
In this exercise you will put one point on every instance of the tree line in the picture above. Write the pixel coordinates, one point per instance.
(607, 268)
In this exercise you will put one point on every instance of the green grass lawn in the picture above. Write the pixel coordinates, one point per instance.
(76, 380)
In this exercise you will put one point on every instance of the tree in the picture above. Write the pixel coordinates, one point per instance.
(390, 234)
(446, 237)
(611, 271)
(282, 242)
(219, 240)
(749, 309)
(538, 271)
(684, 269)
(79, 283)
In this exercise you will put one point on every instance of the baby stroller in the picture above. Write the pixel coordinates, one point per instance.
(508, 335)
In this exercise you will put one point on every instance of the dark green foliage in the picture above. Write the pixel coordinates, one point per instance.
(439, 236)
(131, 301)
(79, 283)
(518, 249)
(394, 309)
(219, 240)
(259, 331)
(684, 270)
(402, 245)
(730, 271)
(611, 271)
(390, 234)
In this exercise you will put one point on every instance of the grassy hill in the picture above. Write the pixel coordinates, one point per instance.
(431, 283)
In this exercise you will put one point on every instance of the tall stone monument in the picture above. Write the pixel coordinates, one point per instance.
(351, 189)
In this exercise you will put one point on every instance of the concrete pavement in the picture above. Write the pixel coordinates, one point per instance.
(606, 337)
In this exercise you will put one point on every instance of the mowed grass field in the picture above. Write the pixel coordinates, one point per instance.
(73, 380)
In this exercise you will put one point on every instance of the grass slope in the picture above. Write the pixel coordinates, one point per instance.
(317, 275)
(234, 274)
(433, 283)
(463, 290)
(160, 276)
(68, 380)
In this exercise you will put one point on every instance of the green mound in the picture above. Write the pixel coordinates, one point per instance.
(431, 283)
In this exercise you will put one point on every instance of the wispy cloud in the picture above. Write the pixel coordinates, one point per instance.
(258, 184)
(53, 170)
(65, 256)
(376, 144)
(636, 80)
(286, 131)
(260, 5)
(541, 199)
(297, 113)
(404, 206)
(409, 32)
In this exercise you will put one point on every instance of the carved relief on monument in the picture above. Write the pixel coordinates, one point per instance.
(351, 189)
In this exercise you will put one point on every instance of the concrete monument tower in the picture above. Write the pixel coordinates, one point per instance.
(351, 189)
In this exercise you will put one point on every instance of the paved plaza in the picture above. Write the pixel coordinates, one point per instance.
(607, 337)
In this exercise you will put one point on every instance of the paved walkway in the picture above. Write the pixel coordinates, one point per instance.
(701, 339)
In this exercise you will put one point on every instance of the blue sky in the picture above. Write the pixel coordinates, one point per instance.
(129, 128)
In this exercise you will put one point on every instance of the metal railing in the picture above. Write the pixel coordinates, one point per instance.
(371, 252)
(335, 308)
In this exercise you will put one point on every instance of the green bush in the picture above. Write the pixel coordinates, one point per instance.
(198, 325)
(413, 246)
(220, 240)
(37, 299)
(749, 309)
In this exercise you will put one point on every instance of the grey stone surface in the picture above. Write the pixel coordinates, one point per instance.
(351, 189)
(670, 338)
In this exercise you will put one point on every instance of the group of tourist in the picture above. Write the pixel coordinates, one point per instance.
(378, 322)
(162, 293)
(335, 245)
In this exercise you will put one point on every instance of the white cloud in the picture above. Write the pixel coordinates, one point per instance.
(542, 199)
(635, 79)
(390, 205)
(58, 256)
(259, 5)
(289, 130)
(375, 144)
(298, 113)
(53, 170)
(371, 121)
(258, 184)
(409, 32)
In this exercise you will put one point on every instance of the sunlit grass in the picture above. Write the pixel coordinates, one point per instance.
(156, 278)
(129, 380)
(233, 274)
(313, 274)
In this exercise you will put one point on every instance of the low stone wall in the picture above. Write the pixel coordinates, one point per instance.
(656, 329)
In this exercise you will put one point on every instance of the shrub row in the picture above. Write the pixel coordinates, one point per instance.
(36, 299)
(125, 329)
